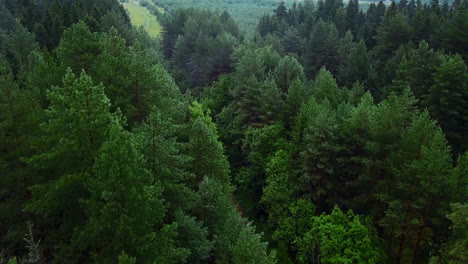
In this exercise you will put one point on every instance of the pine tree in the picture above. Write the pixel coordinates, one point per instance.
(207, 154)
(78, 122)
(416, 70)
(325, 87)
(167, 160)
(461, 182)
(292, 41)
(356, 66)
(20, 116)
(112, 68)
(455, 250)
(315, 147)
(281, 11)
(78, 48)
(352, 16)
(288, 70)
(448, 98)
(194, 237)
(250, 249)
(340, 21)
(214, 205)
(18, 45)
(454, 36)
(321, 49)
(124, 204)
(298, 94)
(421, 182)
(393, 32)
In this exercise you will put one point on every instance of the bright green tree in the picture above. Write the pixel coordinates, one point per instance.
(339, 238)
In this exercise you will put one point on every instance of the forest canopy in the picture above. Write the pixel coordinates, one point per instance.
(244, 132)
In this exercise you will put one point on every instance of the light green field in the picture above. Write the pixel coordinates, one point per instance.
(141, 16)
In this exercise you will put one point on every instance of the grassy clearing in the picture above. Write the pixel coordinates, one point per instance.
(141, 16)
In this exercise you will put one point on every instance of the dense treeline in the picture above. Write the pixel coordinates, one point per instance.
(102, 158)
(245, 12)
(332, 106)
(340, 132)
(198, 44)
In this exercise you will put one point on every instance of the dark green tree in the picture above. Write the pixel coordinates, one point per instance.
(193, 236)
(124, 204)
(393, 32)
(321, 49)
(448, 99)
(356, 65)
(78, 122)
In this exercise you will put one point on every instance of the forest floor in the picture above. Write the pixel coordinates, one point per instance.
(141, 16)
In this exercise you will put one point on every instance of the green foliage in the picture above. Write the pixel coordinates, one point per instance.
(124, 204)
(78, 122)
(356, 66)
(117, 165)
(454, 37)
(427, 163)
(339, 238)
(255, 62)
(457, 252)
(393, 32)
(461, 182)
(20, 116)
(192, 236)
(415, 70)
(326, 88)
(166, 160)
(448, 98)
(316, 153)
(187, 46)
(279, 191)
(78, 48)
(18, 45)
(298, 94)
(126, 259)
(12, 261)
(322, 49)
(287, 71)
(214, 206)
(206, 153)
(250, 249)
(245, 12)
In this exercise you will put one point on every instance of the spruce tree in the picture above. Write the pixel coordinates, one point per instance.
(393, 32)
(124, 204)
(321, 49)
(448, 99)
